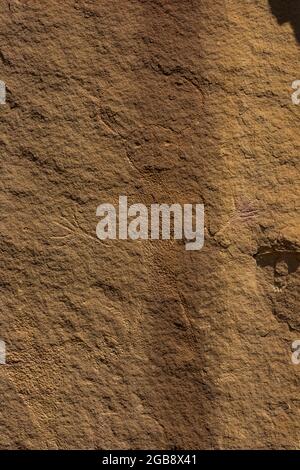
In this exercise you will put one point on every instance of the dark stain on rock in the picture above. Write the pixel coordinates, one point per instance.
(287, 11)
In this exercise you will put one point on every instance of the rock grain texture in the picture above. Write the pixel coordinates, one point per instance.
(142, 344)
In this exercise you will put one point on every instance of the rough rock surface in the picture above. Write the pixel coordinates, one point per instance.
(124, 344)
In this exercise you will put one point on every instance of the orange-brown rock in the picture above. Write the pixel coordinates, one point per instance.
(142, 344)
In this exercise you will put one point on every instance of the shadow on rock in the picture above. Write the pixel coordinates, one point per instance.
(287, 11)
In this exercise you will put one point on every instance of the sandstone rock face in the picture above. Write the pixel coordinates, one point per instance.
(141, 344)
